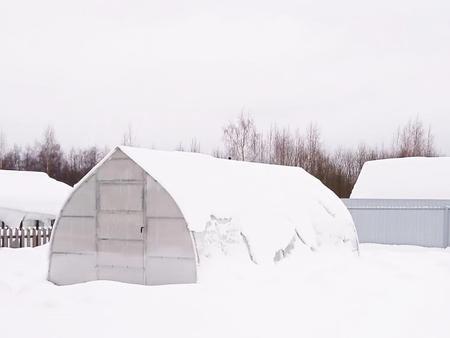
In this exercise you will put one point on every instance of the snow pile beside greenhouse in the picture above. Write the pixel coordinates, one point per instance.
(272, 206)
(404, 178)
(29, 195)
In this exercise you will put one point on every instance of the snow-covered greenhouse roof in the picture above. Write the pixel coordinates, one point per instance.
(404, 178)
(30, 195)
(270, 203)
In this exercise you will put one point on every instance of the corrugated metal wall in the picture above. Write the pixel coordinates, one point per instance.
(410, 222)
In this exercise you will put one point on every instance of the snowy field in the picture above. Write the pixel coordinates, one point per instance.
(386, 292)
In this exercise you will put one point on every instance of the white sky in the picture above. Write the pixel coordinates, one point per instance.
(182, 69)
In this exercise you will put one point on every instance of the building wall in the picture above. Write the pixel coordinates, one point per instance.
(408, 222)
(122, 225)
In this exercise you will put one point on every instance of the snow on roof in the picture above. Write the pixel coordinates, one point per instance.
(30, 195)
(270, 203)
(404, 178)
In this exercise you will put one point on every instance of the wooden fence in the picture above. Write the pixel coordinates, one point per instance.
(24, 238)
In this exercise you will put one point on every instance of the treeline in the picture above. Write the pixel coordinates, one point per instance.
(242, 140)
(48, 156)
(337, 169)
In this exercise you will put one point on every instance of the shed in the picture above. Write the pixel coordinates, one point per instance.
(136, 216)
(403, 201)
(30, 197)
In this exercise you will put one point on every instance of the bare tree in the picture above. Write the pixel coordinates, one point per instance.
(3, 147)
(13, 158)
(30, 160)
(414, 139)
(313, 148)
(180, 147)
(195, 146)
(240, 137)
(283, 146)
(218, 153)
(128, 138)
(50, 154)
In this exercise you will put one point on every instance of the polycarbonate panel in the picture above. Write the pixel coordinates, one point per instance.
(119, 155)
(159, 202)
(72, 268)
(124, 275)
(121, 197)
(74, 234)
(123, 169)
(121, 253)
(169, 237)
(120, 225)
(170, 271)
(82, 200)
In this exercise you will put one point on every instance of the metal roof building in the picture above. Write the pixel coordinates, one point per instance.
(401, 221)
(403, 201)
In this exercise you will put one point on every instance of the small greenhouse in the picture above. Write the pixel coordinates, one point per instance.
(139, 215)
(30, 199)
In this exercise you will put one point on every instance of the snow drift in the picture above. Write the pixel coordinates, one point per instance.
(30, 195)
(404, 178)
(271, 205)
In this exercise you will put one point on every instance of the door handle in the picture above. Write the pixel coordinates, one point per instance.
(142, 230)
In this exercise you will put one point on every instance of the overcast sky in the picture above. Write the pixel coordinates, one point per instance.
(181, 69)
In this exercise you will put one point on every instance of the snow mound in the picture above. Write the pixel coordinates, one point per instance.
(404, 178)
(30, 195)
(270, 205)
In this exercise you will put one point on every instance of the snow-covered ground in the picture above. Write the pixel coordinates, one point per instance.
(387, 291)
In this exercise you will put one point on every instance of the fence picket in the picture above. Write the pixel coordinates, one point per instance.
(46, 236)
(8, 238)
(24, 238)
(14, 242)
(28, 236)
(34, 232)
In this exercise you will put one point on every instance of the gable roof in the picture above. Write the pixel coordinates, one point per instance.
(30, 195)
(404, 178)
(270, 203)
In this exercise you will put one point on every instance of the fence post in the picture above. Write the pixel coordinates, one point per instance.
(22, 238)
(39, 237)
(28, 238)
(33, 238)
(9, 234)
(14, 240)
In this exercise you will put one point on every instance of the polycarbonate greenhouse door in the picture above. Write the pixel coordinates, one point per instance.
(121, 231)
